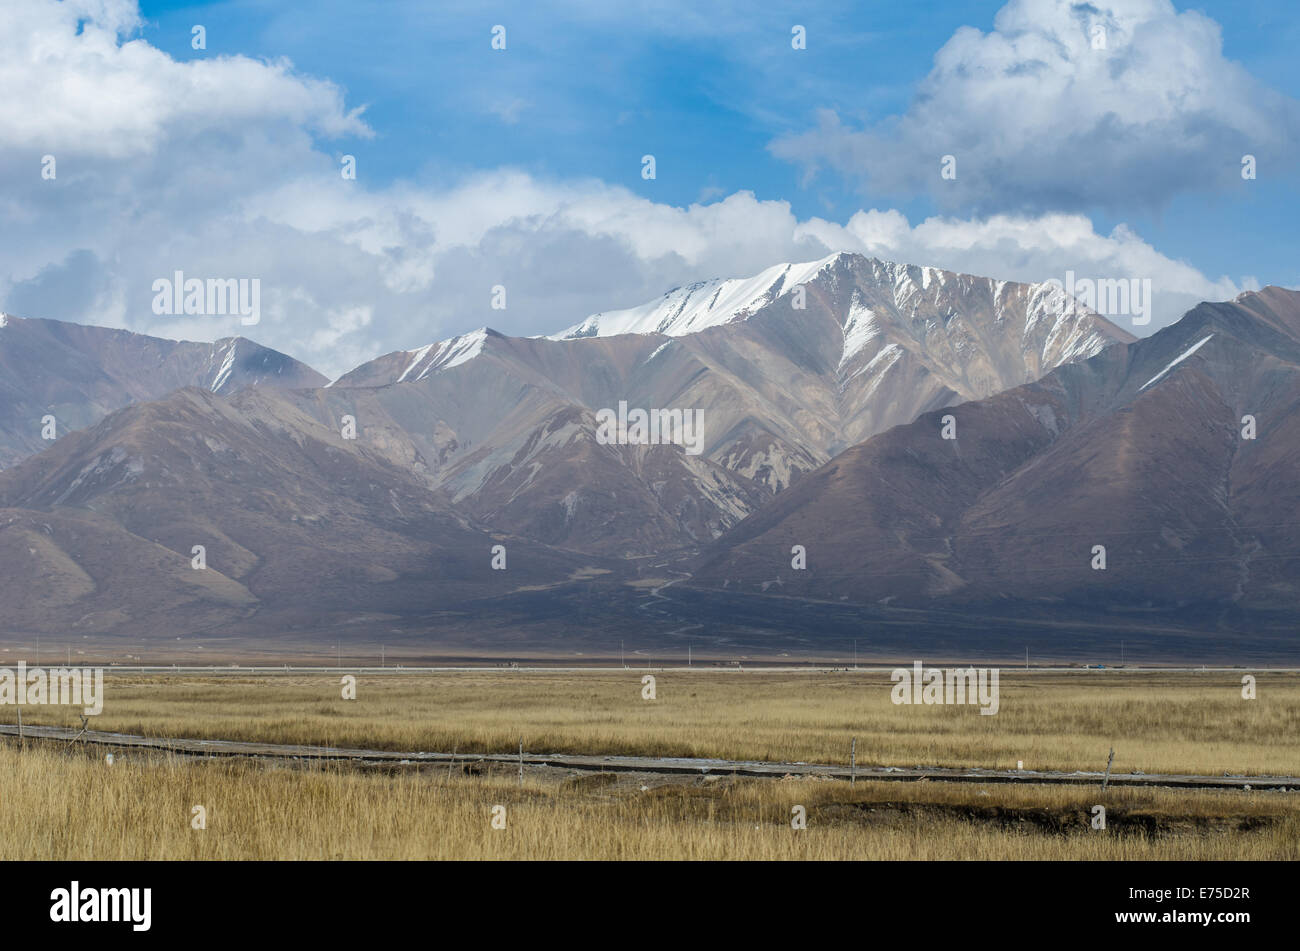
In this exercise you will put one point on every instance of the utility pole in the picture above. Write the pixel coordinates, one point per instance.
(688, 655)
(1026, 657)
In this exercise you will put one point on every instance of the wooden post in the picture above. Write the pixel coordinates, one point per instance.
(20, 729)
(853, 762)
(1105, 781)
(521, 761)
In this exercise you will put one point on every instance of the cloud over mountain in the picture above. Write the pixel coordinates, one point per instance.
(1067, 106)
(230, 167)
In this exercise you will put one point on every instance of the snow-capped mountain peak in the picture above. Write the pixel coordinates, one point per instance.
(409, 366)
(444, 354)
(699, 306)
(867, 295)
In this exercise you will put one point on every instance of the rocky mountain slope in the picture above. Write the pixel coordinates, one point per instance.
(376, 501)
(1178, 455)
(787, 369)
(78, 374)
(300, 527)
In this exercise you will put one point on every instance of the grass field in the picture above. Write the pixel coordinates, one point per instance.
(66, 802)
(1156, 722)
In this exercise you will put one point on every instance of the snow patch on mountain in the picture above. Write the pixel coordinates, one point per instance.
(227, 367)
(860, 328)
(417, 357)
(1177, 360)
(458, 350)
(658, 350)
(696, 307)
(443, 355)
(885, 361)
(1045, 300)
(1066, 339)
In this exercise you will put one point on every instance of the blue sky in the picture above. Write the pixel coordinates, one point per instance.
(593, 92)
(522, 167)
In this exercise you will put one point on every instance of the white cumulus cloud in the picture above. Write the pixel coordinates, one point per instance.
(216, 168)
(1068, 105)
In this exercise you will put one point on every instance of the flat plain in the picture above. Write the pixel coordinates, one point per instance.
(67, 802)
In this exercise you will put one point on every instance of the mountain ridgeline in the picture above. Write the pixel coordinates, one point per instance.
(79, 374)
(929, 441)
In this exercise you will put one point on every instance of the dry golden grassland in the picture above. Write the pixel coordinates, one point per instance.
(62, 802)
(65, 802)
(1156, 722)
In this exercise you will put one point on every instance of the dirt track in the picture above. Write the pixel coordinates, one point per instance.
(645, 764)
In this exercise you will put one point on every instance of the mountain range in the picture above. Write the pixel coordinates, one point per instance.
(1176, 454)
(508, 425)
(79, 374)
(936, 445)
